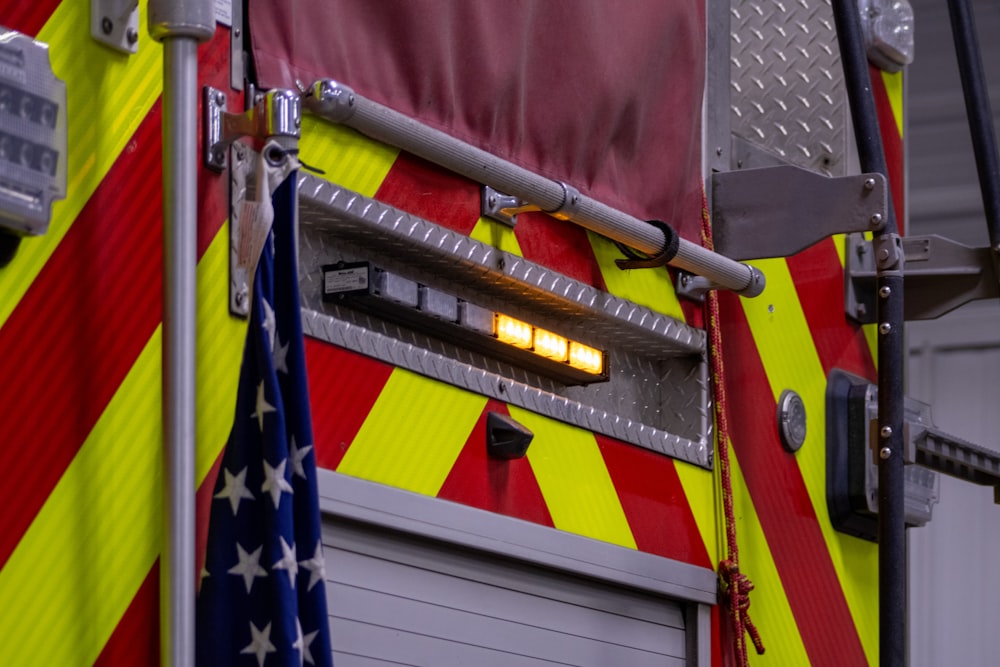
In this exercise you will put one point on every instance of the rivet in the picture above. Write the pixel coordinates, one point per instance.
(883, 254)
(885, 453)
(220, 98)
(869, 184)
(861, 309)
(237, 32)
(107, 26)
(718, 151)
(884, 291)
(876, 220)
(885, 431)
(884, 328)
(132, 35)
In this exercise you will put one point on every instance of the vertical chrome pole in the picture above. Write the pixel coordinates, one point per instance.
(180, 26)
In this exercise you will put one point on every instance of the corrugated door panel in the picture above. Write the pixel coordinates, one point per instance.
(397, 599)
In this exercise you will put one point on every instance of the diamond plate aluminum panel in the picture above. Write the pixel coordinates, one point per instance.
(657, 396)
(787, 96)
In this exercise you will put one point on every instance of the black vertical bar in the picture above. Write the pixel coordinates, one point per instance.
(889, 449)
(977, 108)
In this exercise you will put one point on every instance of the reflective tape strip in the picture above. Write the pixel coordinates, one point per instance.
(413, 434)
(574, 480)
(497, 235)
(108, 96)
(649, 287)
(784, 342)
(701, 490)
(218, 356)
(347, 158)
(75, 571)
(894, 88)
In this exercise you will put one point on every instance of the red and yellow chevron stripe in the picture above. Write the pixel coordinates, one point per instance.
(80, 325)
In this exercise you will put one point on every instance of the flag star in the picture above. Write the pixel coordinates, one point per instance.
(235, 489)
(297, 456)
(306, 641)
(248, 566)
(316, 566)
(280, 356)
(262, 406)
(287, 562)
(261, 644)
(269, 323)
(275, 482)
(299, 643)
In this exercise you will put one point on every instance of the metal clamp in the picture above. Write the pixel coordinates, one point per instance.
(115, 23)
(276, 113)
(503, 208)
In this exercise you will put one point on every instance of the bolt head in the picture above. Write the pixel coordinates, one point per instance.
(885, 453)
(884, 328)
(107, 25)
(884, 291)
(876, 220)
(885, 431)
(869, 184)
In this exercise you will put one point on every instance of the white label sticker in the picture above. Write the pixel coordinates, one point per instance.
(345, 280)
(224, 12)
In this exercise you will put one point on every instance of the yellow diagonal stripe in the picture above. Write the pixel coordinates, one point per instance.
(574, 480)
(769, 607)
(790, 360)
(413, 434)
(648, 287)
(702, 492)
(894, 87)
(497, 235)
(347, 158)
(220, 339)
(80, 563)
(108, 96)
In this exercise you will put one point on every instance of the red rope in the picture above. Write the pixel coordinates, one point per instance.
(735, 586)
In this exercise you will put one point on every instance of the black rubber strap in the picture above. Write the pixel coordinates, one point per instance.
(671, 243)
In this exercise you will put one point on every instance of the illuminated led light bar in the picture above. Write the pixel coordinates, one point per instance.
(393, 297)
(586, 358)
(551, 345)
(513, 332)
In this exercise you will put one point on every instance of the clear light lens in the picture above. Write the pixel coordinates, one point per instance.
(585, 358)
(551, 345)
(513, 332)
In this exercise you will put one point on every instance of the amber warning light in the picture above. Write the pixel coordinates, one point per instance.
(387, 295)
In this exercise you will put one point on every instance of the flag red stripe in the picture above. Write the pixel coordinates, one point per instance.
(783, 505)
(136, 639)
(819, 282)
(503, 486)
(654, 502)
(343, 387)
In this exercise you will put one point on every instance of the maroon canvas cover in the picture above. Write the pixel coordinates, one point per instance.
(604, 95)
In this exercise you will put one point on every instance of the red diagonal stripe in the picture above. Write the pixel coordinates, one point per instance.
(560, 245)
(782, 503)
(892, 143)
(505, 487)
(343, 387)
(819, 282)
(27, 17)
(654, 502)
(136, 639)
(419, 188)
(80, 326)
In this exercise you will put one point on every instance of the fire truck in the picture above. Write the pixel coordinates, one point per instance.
(603, 306)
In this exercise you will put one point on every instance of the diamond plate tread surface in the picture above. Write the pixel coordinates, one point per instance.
(657, 396)
(432, 254)
(408, 350)
(787, 94)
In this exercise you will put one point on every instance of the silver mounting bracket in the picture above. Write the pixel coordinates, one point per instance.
(778, 211)
(503, 208)
(115, 23)
(241, 161)
(275, 114)
(694, 287)
(939, 276)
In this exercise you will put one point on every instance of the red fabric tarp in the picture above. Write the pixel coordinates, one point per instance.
(606, 96)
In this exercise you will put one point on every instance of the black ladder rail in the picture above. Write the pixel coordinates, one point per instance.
(977, 109)
(891, 508)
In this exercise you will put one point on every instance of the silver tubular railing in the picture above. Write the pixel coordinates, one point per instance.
(339, 104)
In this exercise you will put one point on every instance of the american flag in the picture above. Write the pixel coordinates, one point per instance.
(262, 598)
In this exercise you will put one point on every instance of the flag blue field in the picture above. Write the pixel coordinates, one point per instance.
(262, 596)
